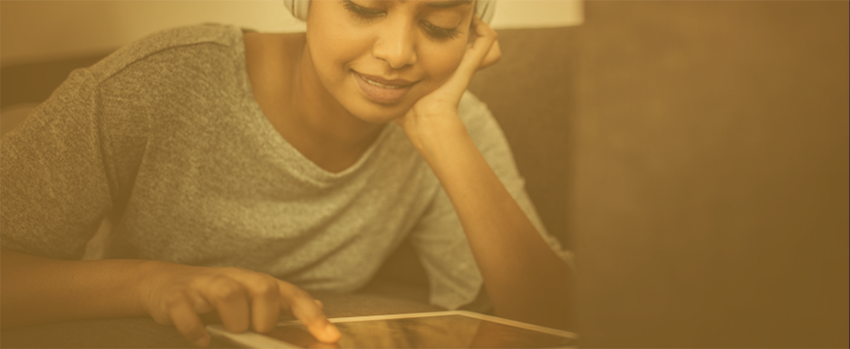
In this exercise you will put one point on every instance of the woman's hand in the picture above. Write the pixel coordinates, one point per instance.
(175, 294)
(436, 113)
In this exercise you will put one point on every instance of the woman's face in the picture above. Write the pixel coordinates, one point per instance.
(378, 57)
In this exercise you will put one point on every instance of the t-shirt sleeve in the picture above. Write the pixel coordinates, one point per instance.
(439, 239)
(53, 183)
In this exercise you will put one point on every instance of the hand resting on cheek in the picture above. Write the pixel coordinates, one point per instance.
(437, 111)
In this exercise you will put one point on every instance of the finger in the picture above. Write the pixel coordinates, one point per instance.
(492, 56)
(229, 299)
(305, 309)
(183, 318)
(472, 59)
(481, 48)
(264, 296)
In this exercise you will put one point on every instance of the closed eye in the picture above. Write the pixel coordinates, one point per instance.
(370, 14)
(440, 32)
(362, 12)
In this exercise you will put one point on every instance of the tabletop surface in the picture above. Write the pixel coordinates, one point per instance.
(145, 333)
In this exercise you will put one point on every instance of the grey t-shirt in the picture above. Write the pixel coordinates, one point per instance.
(165, 137)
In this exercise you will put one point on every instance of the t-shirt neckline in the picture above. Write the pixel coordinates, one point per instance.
(277, 142)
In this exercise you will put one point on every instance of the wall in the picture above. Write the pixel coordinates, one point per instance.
(49, 30)
(711, 185)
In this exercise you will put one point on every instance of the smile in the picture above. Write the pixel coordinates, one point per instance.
(378, 83)
(380, 90)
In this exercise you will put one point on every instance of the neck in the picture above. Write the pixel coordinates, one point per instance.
(321, 115)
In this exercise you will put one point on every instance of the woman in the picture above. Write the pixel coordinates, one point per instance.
(243, 168)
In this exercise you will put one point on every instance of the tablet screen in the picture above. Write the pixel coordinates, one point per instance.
(449, 331)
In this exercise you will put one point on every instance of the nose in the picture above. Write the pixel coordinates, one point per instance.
(396, 43)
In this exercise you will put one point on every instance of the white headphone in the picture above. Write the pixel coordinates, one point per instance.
(484, 8)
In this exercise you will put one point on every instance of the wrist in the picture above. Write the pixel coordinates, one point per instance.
(440, 137)
(147, 272)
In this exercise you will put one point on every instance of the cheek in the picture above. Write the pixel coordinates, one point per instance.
(441, 60)
(328, 60)
(332, 46)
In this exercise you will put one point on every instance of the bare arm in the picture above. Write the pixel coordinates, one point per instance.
(523, 276)
(40, 290)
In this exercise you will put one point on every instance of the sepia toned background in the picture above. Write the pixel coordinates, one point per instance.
(694, 154)
(711, 174)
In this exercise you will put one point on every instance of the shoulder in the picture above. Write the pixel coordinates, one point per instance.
(180, 77)
(190, 42)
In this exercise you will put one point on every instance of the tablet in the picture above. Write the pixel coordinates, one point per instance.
(442, 329)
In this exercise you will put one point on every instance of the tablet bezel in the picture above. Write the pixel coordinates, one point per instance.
(252, 339)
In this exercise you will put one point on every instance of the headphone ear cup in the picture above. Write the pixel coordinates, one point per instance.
(485, 10)
(298, 8)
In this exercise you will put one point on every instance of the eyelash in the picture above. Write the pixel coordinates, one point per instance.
(369, 15)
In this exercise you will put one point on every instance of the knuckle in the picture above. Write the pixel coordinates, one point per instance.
(291, 292)
(268, 286)
(225, 289)
(300, 294)
(173, 299)
(263, 287)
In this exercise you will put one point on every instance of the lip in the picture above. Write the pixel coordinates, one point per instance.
(382, 90)
(380, 80)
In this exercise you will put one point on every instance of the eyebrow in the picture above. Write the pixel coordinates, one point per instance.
(446, 4)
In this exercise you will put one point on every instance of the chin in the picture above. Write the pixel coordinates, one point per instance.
(370, 111)
(375, 113)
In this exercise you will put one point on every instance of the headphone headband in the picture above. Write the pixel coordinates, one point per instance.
(483, 8)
